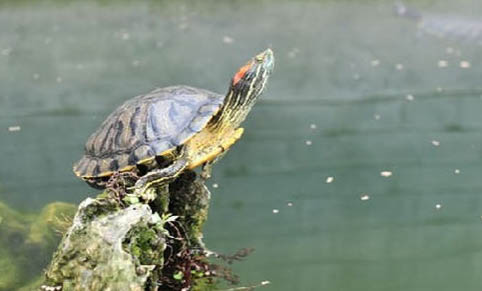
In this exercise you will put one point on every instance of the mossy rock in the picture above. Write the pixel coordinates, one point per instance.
(27, 241)
(54, 219)
(91, 256)
(10, 272)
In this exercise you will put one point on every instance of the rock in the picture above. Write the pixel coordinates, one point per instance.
(27, 240)
(91, 256)
(54, 219)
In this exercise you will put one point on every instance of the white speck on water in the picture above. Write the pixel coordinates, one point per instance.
(289, 204)
(442, 64)
(439, 89)
(457, 171)
(265, 283)
(386, 174)
(438, 206)
(159, 44)
(183, 25)
(410, 97)
(375, 63)
(435, 143)
(14, 128)
(215, 185)
(356, 77)
(312, 126)
(365, 197)
(275, 211)
(465, 64)
(58, 80)
(36, 76)
(228, 39)
(293, 53)
(6, 52)
(79, 67)
(399, 67)
(136, 63)
(308, 142)
(330, 179)
(377, 116)
(449, 50)
(125, 36)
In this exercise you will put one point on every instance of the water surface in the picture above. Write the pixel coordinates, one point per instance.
(356, 91)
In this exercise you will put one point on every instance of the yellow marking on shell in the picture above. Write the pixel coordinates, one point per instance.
(126, 168)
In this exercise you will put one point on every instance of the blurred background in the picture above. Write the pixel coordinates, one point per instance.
(359, 168)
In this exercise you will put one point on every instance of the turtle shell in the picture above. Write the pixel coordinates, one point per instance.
(147, 126)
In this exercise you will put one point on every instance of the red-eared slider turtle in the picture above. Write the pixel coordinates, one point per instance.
(183, 125)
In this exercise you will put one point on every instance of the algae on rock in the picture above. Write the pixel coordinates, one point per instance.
(135, 245)
(26, 242)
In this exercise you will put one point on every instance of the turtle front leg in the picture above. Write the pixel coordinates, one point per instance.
(147, 185)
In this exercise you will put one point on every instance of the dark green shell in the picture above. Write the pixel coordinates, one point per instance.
(146, 126)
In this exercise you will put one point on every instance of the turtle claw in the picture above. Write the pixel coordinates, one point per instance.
(145, 187)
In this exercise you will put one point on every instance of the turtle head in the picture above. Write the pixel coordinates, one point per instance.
(245, 87)
(249, 81)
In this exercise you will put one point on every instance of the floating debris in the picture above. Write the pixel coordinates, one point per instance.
(386, 174)
(399, 67)
(293, 53)
(442, 64)
(36, 76)
(365, 197)
(375, 63)
(136, 63)
(329, 180)
(215, 185)
(312, 126)
(465, 64)
(6, 52)
(435, 143)
(457, 171)
(79, 67)
(275, 211)
(410, 97)
(228, 40)
(289, 204)
(14, 128)
(377, 116)
(356, 77)
(439, 89)
(59, 80)
(438, 206)
(308, 142)
(125, 36)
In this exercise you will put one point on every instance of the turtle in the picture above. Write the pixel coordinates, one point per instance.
(162, 133)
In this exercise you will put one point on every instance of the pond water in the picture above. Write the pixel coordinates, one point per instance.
(387, 109)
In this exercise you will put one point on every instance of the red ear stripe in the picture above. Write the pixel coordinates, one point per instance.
(240, 73)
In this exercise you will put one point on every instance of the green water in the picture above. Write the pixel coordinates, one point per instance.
(336, 106)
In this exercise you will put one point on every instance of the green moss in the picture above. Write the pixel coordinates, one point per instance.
(10, 272)
(146, 244)
(33, 285)
(54, 219)
(99, 209)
